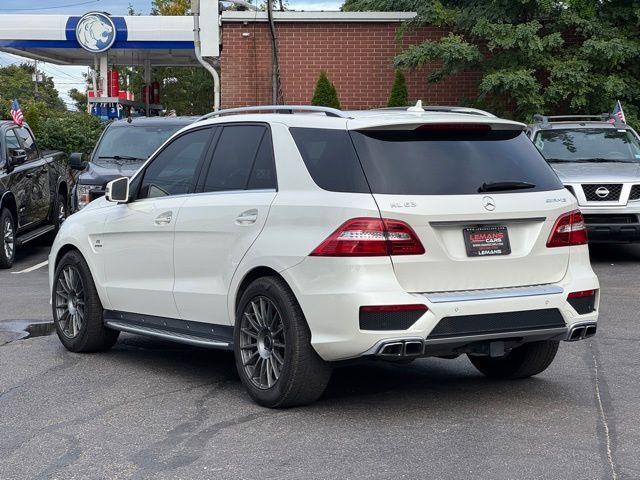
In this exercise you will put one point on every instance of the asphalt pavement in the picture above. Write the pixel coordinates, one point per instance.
(150, 409)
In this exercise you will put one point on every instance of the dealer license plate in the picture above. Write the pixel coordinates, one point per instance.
(486, 241)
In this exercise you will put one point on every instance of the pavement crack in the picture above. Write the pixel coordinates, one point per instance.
(605, 411)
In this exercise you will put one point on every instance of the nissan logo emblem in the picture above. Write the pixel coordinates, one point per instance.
(602, 192)
(489, 204)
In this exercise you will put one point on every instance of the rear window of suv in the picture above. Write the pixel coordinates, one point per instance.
(414, 162)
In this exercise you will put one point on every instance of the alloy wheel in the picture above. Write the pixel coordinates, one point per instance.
(262, 342)
(9, 239)
(70, 301)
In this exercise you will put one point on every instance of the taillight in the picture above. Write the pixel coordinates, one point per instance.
(568, 230)
(370, 237)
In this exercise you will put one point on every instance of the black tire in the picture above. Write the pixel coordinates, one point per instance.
(92, 335)
(303, 374)
(522, 362)
(7, 234)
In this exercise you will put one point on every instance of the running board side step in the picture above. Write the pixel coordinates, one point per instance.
(163, 334)
(32, 235)
(176, 330)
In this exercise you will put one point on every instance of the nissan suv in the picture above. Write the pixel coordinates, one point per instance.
(598, 160)
(307, 236)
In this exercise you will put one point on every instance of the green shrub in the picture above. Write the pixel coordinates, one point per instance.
(399, 94)
(325, 94)
(69, 132)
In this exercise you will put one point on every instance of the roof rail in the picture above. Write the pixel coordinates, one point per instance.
(603, 117)
(441, 108)
(330, 112)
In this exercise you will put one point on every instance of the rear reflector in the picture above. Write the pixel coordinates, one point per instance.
(568, 230)
(584, 293)
(370, 237)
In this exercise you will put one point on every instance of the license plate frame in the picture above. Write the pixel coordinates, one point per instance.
(486, 241)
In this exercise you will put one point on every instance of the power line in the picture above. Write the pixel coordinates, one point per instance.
(47, 8)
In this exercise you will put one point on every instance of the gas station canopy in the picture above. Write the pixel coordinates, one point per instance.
(136, 40)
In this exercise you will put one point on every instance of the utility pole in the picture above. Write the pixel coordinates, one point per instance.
(276, 89)
(35, 77)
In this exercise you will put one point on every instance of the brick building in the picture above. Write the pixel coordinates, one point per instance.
(355, 49)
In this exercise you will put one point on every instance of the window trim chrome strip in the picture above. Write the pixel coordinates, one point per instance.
(493, 294)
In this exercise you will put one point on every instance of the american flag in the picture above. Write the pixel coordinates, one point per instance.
(16, 113)
(617, 112)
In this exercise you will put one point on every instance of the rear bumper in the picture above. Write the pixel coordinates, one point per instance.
(612, 226)
(616, 233)
(331, 294)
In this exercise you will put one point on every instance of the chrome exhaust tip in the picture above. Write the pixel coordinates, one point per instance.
(580, 332)
(394, 349)
(413, 348)
(401, 348)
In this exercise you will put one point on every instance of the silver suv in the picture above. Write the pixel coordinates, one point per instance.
(597, 157)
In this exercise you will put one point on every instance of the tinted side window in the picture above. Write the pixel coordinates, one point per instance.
(263, 173)
(240, 159)
(28, 143)
(12, 141)
(173, 170)
(331, 159)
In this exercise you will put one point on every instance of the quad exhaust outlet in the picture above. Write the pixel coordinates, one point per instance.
(402, 348)
(582, 331)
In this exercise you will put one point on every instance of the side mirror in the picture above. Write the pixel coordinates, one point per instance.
(117, 190)
(76, 162)
(17, 156)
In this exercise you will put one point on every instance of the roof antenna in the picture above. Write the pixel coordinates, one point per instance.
(417, 107)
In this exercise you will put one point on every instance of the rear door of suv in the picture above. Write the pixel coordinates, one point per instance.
(450, 184)
(218, 224)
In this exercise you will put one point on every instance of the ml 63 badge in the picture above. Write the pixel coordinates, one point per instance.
(486, 241)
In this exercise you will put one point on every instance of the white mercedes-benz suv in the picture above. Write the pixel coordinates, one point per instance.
(307, 236)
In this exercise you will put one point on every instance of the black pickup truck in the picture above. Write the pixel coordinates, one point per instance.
(34, 189)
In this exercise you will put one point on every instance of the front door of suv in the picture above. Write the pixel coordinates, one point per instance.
(217, 226)
(137, 244)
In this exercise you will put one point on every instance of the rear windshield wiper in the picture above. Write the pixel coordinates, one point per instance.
(500, 186)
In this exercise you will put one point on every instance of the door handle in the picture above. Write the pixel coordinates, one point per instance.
(164, 218)
(247, 218)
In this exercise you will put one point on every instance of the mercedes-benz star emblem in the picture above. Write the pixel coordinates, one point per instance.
(488, 203)
(602, 192)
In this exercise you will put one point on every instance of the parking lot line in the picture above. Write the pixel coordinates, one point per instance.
(35, 267)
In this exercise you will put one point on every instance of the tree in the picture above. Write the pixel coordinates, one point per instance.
(325, 93)
(399, 94)
(69, 132)
(79, 98)
(16, 82)
(551, 56)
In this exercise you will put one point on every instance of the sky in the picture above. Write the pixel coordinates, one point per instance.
(66, 78)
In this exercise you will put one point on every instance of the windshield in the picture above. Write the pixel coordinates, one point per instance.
(588, 144)
(132, 144)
